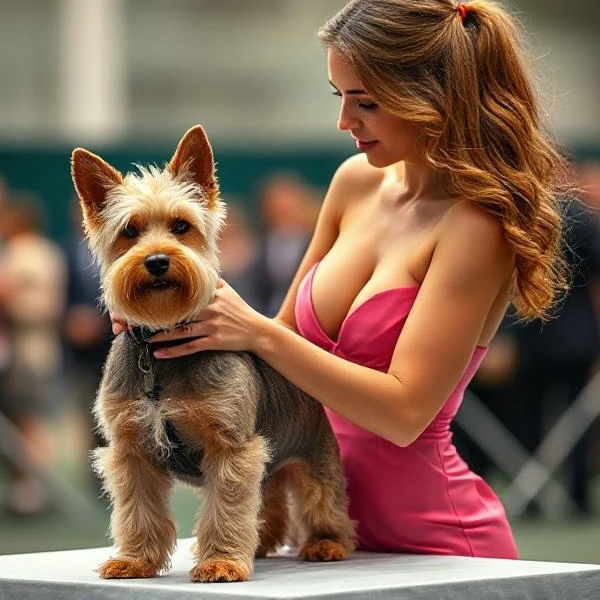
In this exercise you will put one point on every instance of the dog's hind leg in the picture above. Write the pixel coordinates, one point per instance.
(274, 517)
(320, 509)
(141, 525)
(228, 525)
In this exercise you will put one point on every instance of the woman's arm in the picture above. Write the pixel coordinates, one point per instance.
(469, 268)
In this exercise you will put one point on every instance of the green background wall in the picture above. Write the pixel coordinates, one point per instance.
(46, 172)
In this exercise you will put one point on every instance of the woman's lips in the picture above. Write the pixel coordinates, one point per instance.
(364, 146)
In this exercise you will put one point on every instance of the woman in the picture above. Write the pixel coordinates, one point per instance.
(446, 216)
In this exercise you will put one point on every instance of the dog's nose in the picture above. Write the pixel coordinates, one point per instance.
(157, 264)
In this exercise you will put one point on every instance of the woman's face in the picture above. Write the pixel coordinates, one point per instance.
(383, 137)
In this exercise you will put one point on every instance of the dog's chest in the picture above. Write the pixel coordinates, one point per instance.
(164, 402)
(181, 405)
(164, 441)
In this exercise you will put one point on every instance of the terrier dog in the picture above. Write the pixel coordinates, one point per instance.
(224, 422)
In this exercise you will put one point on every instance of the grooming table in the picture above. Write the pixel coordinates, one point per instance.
(69, 575)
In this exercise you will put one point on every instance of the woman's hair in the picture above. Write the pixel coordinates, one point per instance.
(456, 71)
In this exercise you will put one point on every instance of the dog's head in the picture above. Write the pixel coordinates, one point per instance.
(154, 233)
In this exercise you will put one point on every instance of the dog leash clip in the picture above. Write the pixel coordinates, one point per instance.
(144, 361)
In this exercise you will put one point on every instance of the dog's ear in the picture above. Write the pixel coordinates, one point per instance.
(194, 160)
(92, 178)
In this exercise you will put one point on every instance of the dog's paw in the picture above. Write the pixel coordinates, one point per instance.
(323, 550)
(219, 570)
(126, 567)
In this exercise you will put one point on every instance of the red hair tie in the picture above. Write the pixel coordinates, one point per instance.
(462, 11)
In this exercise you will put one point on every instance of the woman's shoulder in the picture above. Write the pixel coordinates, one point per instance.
(355, 174)
(467, 226)
(465, 219)
(353, 180)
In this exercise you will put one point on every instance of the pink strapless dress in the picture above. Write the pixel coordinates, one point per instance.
(419, 499)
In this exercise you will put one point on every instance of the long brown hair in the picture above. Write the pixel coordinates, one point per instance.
(459, 74)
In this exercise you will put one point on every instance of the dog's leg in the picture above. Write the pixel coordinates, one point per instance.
(228, 526)
(274, 517)
(141, 525)
(320, 507)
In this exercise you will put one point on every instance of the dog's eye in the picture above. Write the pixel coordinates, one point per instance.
(180, 226)
(130, 231)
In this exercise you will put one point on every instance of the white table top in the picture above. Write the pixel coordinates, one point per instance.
(70, 575)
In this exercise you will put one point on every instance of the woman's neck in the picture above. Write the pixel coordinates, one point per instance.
(418, 180)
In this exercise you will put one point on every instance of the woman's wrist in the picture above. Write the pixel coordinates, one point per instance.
(264, 334)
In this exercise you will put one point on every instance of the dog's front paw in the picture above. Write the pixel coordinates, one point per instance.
(219, 570)
(126, 567)
(323, 550)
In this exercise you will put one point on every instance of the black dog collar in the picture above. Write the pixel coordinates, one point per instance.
(140, 334)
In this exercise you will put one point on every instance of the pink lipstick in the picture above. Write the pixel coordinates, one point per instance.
(365, 146)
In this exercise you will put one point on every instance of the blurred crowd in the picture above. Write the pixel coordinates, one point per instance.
(54, 336)
(534, 372)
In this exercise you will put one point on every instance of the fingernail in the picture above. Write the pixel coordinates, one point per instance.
(160, 354)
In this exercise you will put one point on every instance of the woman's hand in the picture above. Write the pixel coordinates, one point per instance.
(227, 323)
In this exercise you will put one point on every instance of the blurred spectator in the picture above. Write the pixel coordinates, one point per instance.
(556, 360)
(3, 282)
(4, 290)
(86, 330)
(589, 189)
(533, 372)
(239, 254)
(288, 210)
(589, 183)
(34, 270)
